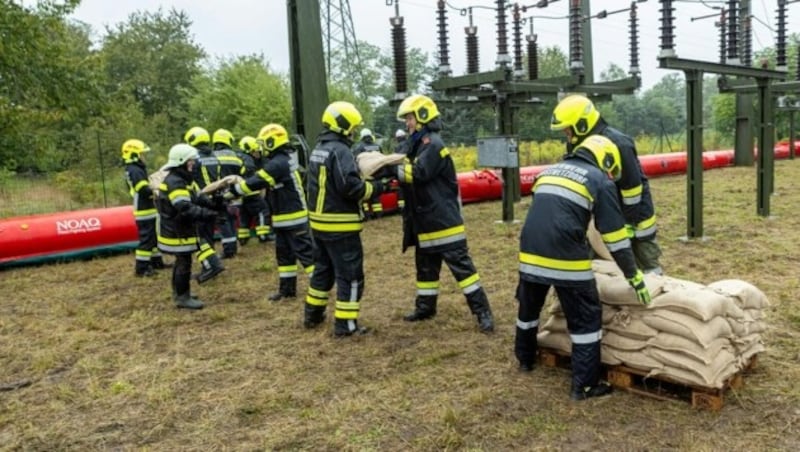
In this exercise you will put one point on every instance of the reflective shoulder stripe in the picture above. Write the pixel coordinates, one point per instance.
(567, 194)
(566, 183)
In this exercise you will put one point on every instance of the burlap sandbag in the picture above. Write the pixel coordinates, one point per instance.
(630, 325)
(701, 303)
(621, 342)
(223, 183)
(615, 290)
(555, 341)
(556, 324)
(741, 328)
(704, 333)
(747, 295)
(680, 367)
(679, 344)
(609, 268)
(372, 161)
(155, 179)
(747, 346)
(636, 359)
(597, 243)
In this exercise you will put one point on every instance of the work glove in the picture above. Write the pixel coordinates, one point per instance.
(630, 230)
(642, 293)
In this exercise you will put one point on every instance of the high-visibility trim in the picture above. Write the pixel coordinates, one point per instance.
(316, 293)
(205, 252)
(429, 288)
(622, 244)
(266, 176)
(377, 207)
(263, 229)
(615, 236)
(632, 196)
(568, 270)
(587, 338)
(145, 214)
(323, 180)
(143, 255)
(566, 193)
(180, 195)
(142, 183)
(298, 186)
(566, 183)
(182, 245)
(287, 271)
(228, 159)
(646, 228)
(368, 189)
(336, 227)
(314, 301)
(286, 220)
(444, 152)
(346, 310)
(243, 233)
(228, 240)
(527, 325)
(309, 270)
(405, 173)
(470, 284)
(444, 236)
(204, 173)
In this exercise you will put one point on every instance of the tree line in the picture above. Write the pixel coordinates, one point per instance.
(64, 98)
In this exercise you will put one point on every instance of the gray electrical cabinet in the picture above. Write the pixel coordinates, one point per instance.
(498, 152)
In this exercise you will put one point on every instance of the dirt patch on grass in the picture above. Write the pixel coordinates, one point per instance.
(113, 365)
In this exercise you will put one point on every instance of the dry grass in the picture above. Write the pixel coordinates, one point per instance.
(112, 365)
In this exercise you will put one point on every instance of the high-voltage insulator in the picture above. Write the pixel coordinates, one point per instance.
(472, 49)
(444, 53)
(533, 56)
(780, 44)
(733, 33)
(502, 34)
(518, 71)
(575, 41)
(634, 31)
(746, 40)
(667, 29)
(399, 51)
(723, 30)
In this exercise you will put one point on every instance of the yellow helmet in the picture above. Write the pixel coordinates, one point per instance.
(423, 107)
(341, 117)
(605, 153)
(249, 144)
(196, 135)
(132, 149)
(222, 136)
(576, 112)
(272, 136)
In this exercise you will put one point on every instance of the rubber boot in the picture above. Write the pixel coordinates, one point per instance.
(186, 301)
(287, 289)
(602, 388)
(479, 305)
(211, 268)
(313, 316)
(144, 269)
(425, 308)
(345, 328)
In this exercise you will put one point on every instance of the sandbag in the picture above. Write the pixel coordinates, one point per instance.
(223, 183)
(157, 178)
(679, 367)
(747, 295)
(556, 324)
(701, 303)
(372, 161)
(630, 325)
(687, 326)
(615, 290)
(621, 342)
(597, 243)
(740, 328)
(607, 356)
(635, 359)
(604, 267)
(679, 344)
(555, 341)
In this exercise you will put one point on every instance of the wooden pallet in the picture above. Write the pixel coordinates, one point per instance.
(658, 387)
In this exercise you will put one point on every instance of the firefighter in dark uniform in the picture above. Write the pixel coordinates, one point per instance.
(229, 164)
(180, 208)
(335, 194)
(148, 257)
(577, 116)
(373, 207)
(554, 252)
(281, 177)
(432, 220)
(254, 210)
(205, 171)
(400, 147)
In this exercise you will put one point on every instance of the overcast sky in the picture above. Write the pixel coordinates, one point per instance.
(241, 27)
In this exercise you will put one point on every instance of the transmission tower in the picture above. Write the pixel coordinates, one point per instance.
(338, 33)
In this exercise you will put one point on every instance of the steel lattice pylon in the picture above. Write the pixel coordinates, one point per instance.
(338, 33)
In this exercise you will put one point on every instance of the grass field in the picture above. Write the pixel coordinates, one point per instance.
(95, 359)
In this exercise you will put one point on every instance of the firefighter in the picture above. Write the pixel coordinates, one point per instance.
(335, 194)
(229, 164)
(400, 147)
(254, 210)
(205, 171)
(281, 177)
(180, 207)
(554, 252)
(432, 220)
(373, 207)
(577, 116)
(148, 257)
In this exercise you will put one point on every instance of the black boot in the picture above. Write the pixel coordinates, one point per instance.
(479, 305)
(144, 269)
(211, 268)
(602, 388)
(425, 308)
(345, 328)
(287, 289)
(313, 316)
(186, 301)
(158, 263)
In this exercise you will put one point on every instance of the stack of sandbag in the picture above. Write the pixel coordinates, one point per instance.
(692, 333)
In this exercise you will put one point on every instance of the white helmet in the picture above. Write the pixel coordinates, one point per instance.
(400, 133)
(180, 154)
(365, 133)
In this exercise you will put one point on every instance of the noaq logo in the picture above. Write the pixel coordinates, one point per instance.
(78, 225)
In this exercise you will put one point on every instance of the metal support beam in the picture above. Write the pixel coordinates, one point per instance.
(766, 144)
(791, 134)
(743, 147)
(694, 159)
(683, 64)
(511, 183)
